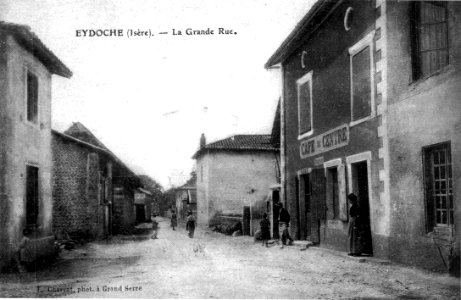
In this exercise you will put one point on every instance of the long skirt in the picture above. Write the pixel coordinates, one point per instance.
(265, 233)
(355, 241)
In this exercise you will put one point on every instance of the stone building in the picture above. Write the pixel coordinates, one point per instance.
(26, 69)
(93, 190)
(234, 176)
(370, 105)
(186, 198)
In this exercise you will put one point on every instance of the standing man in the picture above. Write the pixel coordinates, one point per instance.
(190, 224)
(284, 222)
(174, 220)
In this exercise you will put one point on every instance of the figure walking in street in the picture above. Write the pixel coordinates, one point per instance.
(190, 224)
(355, 246)
(284, 223)
(265, 230)
(154, 226)
(174, 220)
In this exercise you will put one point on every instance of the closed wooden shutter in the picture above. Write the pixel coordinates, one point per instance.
(304, 98)
(432, 37)
(361, 84)
(32, 97)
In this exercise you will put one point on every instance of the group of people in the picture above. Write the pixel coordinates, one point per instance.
(357, 230)
(284, 224)
(190, 224)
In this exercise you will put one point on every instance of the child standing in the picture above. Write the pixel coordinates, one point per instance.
(265, 230)
(154, 226)
(190, 225)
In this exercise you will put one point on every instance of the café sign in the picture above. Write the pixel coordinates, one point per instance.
(332, 139)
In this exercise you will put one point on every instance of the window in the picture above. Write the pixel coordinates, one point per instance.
(332, 193)
(336, 190)
(32, 98)
(430, 37)
(362, 83)
(305, 121)
(32, 195)
(438, 185)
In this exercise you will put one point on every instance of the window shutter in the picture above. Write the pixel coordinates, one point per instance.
(329, 194)
(432, 37)
(343, 215)
(361, 84)
(430, 210)
(304, 99)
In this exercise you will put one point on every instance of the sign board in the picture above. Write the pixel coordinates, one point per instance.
(332, 139)
(139, 198)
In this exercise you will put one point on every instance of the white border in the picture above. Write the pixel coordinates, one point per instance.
(367, 41)
(306, 78)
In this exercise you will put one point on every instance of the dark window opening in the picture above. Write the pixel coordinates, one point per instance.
(332, 193)
(32, 195)
(305, 113)
(430, 37)
(361, 84)
(32, 98)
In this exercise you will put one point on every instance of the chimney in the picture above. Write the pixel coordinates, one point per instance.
(202, 141)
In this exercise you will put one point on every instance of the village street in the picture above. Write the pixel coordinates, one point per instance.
(216, 266)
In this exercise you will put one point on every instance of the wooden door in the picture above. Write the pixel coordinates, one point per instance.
(317, 204)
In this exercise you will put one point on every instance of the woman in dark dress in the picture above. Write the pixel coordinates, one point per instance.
(355, 245)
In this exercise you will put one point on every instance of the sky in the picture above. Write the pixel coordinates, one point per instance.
(148, 99)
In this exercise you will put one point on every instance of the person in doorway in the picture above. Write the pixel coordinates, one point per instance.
(284, 223)
(190, 224)
(154, 226)
(265, 230)
(174, 219)
(355, 246)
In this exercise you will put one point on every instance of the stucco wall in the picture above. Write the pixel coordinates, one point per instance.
(233, 180)
(22, 144)
(421, 113)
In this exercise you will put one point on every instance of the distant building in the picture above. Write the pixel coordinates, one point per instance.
(186, 198)
(93, 190)
(371, 106)
(26, 68)
(145, 204)
(234, 176)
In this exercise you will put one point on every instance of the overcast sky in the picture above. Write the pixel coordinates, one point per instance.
(149, 99)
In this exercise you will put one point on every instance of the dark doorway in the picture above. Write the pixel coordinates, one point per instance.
(275, 213)
(32, 196)
(317, 204)
(140, 214)
(246, 220)
(360, 187)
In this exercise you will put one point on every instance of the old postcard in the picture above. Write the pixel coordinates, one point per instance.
(230, 149)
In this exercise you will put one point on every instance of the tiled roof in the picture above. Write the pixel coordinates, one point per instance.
(34, 45)
(250, 142)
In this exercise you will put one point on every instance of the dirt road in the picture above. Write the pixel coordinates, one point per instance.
(215, 266)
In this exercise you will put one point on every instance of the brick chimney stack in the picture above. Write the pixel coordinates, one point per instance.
(202, 141)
